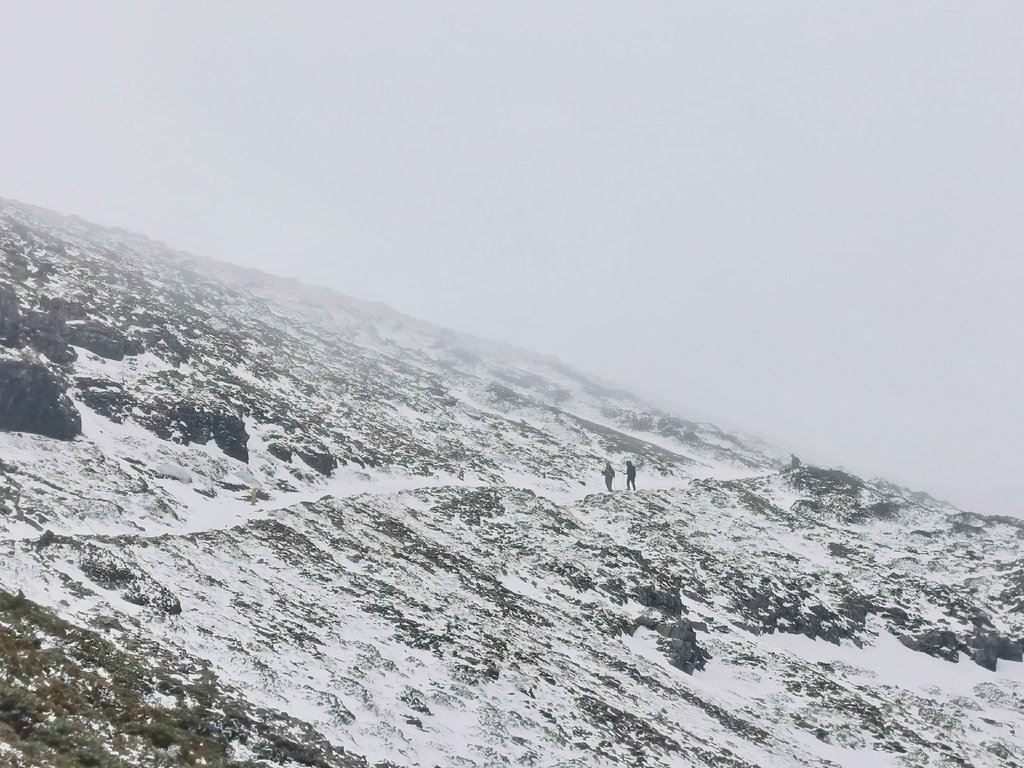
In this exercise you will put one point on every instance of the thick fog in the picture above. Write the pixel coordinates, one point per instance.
(803, 219)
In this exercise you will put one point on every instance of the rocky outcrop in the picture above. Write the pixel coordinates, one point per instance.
(33, 399)
(819, 481)
(942, 644)
(46, 330)
(678, 642)
(663, 598)
(107, 398)
(838, 494)
(990, 648)
(768, 607)
(281, 451)
(319, 459)
(191, 422)
(104, 341)
(16, 263)
(10, 318)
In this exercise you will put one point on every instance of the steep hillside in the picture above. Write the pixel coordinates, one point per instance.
(247, 522)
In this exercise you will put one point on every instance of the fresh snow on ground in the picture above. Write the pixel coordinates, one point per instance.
(416, 556)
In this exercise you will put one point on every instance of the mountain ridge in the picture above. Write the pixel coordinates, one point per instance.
(398, 535)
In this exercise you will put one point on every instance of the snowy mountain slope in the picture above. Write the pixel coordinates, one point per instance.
(393, 533)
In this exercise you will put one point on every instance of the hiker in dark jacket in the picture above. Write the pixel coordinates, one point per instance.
(609, 474)
(630, 476)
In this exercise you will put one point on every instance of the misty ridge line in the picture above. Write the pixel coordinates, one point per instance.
(255, 277)
(800, 224)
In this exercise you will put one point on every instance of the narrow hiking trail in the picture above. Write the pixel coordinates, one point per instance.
(198, 514)
(193, 504)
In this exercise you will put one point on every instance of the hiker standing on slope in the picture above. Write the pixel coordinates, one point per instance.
(630, 475)
(609, 474)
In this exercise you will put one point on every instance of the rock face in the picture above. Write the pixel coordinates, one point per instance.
(988, 649)
(679, 642)
(103, 341)
(46, 329)
(196, 424)
(10, 318)
(320, 460)
(940, 644)
(33, 399)
(289, 501)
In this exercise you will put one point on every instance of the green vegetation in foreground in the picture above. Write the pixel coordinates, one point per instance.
(70, 698)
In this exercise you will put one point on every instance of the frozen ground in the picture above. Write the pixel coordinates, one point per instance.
(398, 536)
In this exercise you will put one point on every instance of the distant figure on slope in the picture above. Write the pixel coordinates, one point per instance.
(630, 476)
(609, 474)
(794, 462)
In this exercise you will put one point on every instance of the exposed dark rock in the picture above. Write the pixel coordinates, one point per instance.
(627, 729)
(580, 581)
(103, 341)
(10, 318)
(17, 265)
(335, 386)
(838, 549)
(504, 395)
(10, 491)
(198, 424)
(769, 608)
(942, 644)
(280, 451)
(53, 345)
(989, 648)
(107, 398)
(806, 507)
(857, 608)
(167, 345)
(108, 623)
(679, 642)
(666, 600)
(825, 481)
(323, 461)
(231, 436)
(46, 331)
(896, 615)
(33, 399)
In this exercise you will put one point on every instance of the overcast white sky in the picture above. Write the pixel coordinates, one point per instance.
(805, 218)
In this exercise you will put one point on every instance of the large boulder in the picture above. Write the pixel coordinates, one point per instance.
(678, 641)
(989, 648)
(33, 399)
